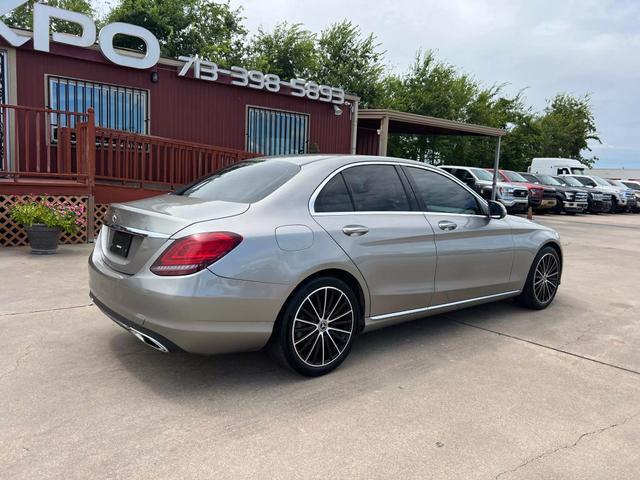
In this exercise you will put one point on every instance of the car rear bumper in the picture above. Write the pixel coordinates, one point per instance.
(199, 313)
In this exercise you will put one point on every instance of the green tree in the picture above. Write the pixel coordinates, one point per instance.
(22, 17)
(566, 127)
(435, 88)
(349, 60)
(210, 29)
(288, 51)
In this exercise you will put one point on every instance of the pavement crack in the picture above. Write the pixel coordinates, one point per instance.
(548, 347)
(582, 436)
(45, 310)
(25, 354)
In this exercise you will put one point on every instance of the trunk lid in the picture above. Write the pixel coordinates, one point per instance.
(135, 231)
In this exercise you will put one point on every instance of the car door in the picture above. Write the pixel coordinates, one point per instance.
(371, 213)
(475, 252)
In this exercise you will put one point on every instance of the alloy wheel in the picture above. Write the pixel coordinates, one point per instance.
(322, 326)
(545, 280)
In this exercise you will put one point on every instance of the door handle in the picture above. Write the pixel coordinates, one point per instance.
(354, 230)
(447, 226)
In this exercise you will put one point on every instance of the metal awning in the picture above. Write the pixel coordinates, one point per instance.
(384, 121)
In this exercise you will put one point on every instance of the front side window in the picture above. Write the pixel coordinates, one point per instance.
(118, 108)
(376, 188)
(276, 132)
(441, 194)
(244, 182)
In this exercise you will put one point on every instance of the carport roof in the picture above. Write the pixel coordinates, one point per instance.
(403, 122)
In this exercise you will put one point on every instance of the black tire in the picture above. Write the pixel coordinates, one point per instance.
(543, 280)
(315, 330)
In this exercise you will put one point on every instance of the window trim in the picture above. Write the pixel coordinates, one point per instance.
(311, 205)
(147, 113)
(281, 110)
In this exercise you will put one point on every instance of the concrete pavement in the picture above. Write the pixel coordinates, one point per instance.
(489, 392)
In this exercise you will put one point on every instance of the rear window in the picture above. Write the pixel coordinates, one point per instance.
(244, 182)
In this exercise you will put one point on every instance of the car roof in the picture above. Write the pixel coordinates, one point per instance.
(343, 159)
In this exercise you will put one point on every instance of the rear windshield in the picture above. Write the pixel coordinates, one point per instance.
(244, 182)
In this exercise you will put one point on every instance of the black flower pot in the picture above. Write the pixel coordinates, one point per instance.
(43, 239)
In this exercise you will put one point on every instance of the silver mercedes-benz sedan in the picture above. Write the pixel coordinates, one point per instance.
(303, 253)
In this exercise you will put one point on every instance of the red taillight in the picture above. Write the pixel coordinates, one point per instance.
(195, 252)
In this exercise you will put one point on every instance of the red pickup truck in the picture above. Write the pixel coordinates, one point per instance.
(541, 197)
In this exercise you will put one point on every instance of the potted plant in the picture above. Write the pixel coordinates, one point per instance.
(44, 221)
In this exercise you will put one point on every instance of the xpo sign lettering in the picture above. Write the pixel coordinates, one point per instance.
(202, 69)
(43, 14)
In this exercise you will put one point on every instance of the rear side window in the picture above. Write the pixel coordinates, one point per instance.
(334, 197)
(376, 188)
(441, 194)
(245, 182)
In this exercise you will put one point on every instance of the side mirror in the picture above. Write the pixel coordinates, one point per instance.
(497, 210)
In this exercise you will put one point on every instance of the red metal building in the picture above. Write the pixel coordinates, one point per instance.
(151, 129)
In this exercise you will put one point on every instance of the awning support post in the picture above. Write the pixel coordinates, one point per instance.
(496, 165)
(384, 136)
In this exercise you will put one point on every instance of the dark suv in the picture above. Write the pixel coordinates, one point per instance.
(570, 200)
(599, 201)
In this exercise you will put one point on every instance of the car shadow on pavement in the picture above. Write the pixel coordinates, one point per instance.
(178, 375)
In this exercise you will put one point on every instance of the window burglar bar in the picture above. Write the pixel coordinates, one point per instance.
(276, 132)
(118, 108)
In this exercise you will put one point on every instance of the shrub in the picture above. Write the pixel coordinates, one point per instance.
(64, 216)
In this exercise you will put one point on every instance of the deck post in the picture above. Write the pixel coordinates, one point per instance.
(90, 157)
(496, 165)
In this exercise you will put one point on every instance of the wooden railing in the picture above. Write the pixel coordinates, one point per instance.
(145, 159)
(46, 143)
(55, 144)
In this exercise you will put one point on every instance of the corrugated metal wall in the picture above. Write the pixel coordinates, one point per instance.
(183, 108)
(367, 141)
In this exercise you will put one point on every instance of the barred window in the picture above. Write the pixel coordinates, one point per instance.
(119, 108)
(276, 132)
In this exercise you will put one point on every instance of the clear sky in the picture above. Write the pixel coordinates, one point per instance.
(574, 46)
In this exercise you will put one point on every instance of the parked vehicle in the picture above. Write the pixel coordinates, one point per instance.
(541, 198)
(569, 200)
(632, 202)
(599, 201)
(618, 195)
(556, 166)
(515, 198)
(303, 253)
(635, 186)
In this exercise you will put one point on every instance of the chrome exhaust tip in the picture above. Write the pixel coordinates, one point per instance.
(149, 341)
